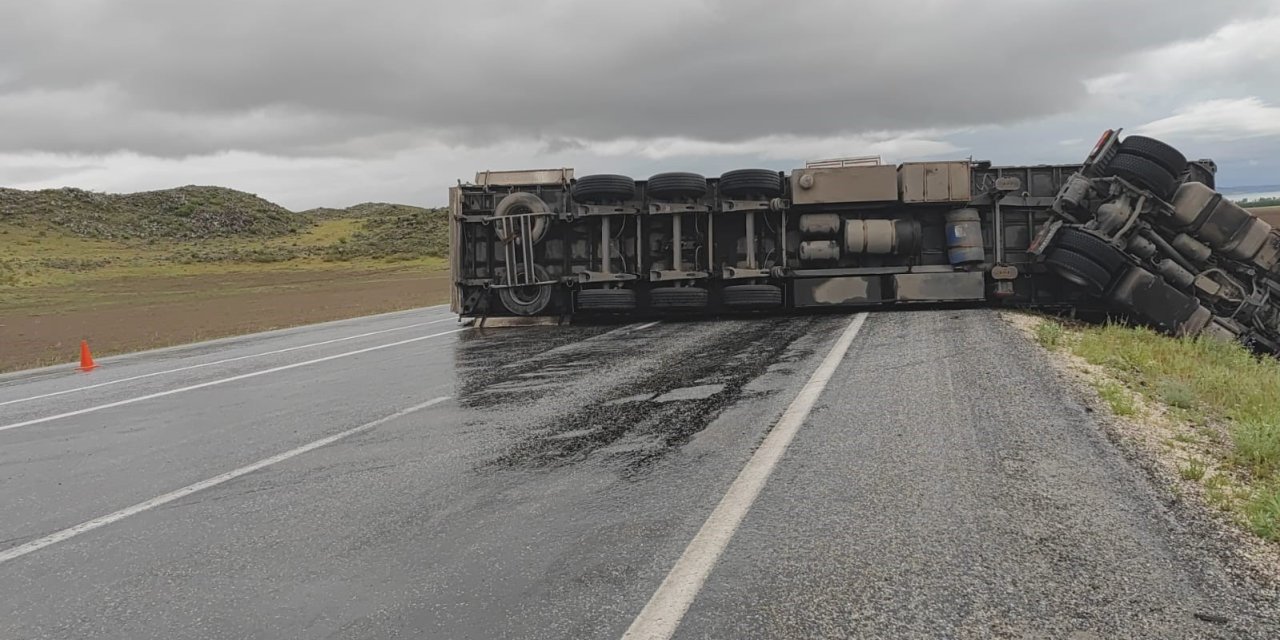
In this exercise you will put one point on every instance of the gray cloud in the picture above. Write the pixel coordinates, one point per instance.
(323, 77)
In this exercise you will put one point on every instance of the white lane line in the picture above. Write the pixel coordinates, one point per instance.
(661, 616)
(102, 521)
(243, 376)
(645, 326)
(224, 361)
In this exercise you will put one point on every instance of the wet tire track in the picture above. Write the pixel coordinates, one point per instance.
(629, 400)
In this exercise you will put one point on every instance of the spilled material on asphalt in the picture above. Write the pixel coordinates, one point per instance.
(618, 398)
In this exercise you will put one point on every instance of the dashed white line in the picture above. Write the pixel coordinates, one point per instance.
(661, 616)
(211, 383)
(645, 326)
(102, 521)
(223, 361)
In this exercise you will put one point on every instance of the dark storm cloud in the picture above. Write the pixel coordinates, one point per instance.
(312, 77)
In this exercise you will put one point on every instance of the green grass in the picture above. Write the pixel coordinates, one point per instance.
(1262, 512)
(1049, 334)
(40, 255)
(1192, 470)
(1116, 397)
(1259, 202)
(1202, 382)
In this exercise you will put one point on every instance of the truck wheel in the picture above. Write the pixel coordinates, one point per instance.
(527, 301)
(1092, 247)
(1162, 154)
(603, 187)
(1079, 270)
(606, 300)
(1144, 173)
(745, 183)
(678, 298)
(524, 202)
(677, 186)
(752, 296)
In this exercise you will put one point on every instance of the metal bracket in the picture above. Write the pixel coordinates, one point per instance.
(734, 273)
(734, 206)
(600, 276)
(677, 275)
(658, 208)
(587, 210)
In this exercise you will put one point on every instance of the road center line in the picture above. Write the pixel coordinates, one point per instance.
(211, 383)
(224, 361)
(661, 616)
(102, 521)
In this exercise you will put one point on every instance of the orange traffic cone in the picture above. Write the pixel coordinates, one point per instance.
(86, 358)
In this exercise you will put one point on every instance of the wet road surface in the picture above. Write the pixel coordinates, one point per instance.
(542, 482)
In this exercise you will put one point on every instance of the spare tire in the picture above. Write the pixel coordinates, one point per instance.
(606, 300)
(603, 187)
(677, 185)
(1144, 173)
(1092, 247)
(747, 183)
(1079, 270)
(526, 301)
(752, 296)
(678, 298)
(524, 202)
(1158, 152)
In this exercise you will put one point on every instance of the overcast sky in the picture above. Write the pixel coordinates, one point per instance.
(333, 102)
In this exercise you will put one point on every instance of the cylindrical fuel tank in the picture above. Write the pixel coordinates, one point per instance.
(1174, 274)
(869, 236)
(819, 251)
(1193, 249)
(881, 236)
(821, 225)
(1218, 222)
(964, 237)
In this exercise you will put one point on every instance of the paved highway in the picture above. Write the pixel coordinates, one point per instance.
(400, 476)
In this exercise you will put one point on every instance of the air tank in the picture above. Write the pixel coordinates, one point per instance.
(964, 237)
(819, 251)
(820, 225)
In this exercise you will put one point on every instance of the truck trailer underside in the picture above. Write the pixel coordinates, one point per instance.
(1135, 231)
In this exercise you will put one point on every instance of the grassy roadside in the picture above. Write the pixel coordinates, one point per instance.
(1211, 407)
(151, 269)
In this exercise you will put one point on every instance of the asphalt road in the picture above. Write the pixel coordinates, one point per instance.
(399, 476)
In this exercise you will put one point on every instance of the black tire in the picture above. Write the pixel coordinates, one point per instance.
(1090, 246)
(1162, 154)
(1144, 173)
(747, 183)
(524, 202)
(603, 187)
(606, 300)
(526, 301)
(752, 296)
(678, 298)
(1079, 270)
(677, 186)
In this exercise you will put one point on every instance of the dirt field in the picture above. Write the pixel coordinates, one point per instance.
(1270, 214)
(45, 325)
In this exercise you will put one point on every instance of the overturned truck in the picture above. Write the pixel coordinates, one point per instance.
(1135, 231)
